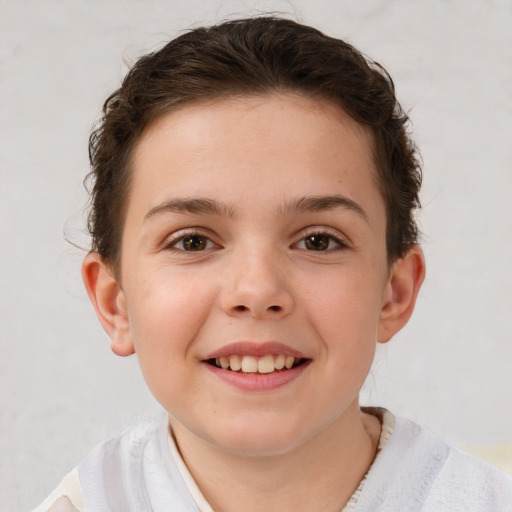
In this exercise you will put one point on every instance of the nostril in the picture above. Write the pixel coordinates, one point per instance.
(241, 307)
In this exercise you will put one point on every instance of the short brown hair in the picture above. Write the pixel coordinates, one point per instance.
(245, 57)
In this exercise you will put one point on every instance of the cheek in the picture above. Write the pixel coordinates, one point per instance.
(166, 314)
(345, 309)
(350, 298)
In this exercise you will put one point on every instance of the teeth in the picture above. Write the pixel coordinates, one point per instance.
(235, 363)
(288, 362)
(266, 364)
(251, 364)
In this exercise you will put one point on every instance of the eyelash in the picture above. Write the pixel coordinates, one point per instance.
(332, 236)
(172, 244)
(340, 244)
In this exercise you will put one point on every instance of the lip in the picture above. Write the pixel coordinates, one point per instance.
(249, 348)
(258, 382)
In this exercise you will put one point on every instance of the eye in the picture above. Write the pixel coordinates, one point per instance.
(192, 242)
(320, 242)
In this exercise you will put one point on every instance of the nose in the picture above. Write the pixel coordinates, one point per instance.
(257, 286)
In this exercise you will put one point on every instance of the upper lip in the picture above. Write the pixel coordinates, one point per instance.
(250, 348)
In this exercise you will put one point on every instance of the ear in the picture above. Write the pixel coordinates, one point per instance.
(108, 300)
(405, 279)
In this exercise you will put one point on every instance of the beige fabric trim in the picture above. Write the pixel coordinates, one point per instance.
(63, 505)
(388, 424)
(200, 500)
(67, 497)
(499, 455)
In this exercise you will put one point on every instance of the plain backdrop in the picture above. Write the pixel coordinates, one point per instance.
(62, 390)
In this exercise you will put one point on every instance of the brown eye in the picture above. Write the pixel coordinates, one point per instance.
(318, 242)
(321, 241)
(193, 243)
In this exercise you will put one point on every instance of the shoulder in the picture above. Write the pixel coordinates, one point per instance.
(416, 470)
(459, 481)
(468, 482)
(133, 472)
(127, 446)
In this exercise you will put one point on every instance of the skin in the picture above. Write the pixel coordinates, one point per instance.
(258, 278)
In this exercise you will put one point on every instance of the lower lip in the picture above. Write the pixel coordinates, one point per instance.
(255, 382)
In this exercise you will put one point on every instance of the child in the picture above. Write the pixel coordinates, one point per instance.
(252, 219)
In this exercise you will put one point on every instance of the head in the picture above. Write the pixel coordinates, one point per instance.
(251, 57)
(253, 201)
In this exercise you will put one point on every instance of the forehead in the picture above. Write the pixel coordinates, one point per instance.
(230, 146)
(286, 108)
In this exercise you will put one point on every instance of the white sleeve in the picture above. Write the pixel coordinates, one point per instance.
(67, 497)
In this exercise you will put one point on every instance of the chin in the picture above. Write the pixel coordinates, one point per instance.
(260, 439)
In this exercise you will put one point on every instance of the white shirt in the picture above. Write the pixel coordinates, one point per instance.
(141, 470)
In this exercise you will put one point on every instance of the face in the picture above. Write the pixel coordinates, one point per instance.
(254, 241)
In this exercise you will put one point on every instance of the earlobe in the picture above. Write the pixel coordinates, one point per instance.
(108, 301)
(405, 280)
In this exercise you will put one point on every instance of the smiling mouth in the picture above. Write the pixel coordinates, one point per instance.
(252, 364)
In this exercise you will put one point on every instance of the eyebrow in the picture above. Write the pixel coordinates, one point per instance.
(204, 206)
(192, 206)
(321, 203)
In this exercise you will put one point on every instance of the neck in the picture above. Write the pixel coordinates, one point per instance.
(320, 474)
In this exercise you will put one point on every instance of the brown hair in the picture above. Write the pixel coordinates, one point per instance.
(252, 56)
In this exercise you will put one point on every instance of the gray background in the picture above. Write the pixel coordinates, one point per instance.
(62, 391)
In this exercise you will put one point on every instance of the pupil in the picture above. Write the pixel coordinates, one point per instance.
(194, 243)
(317, 242)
